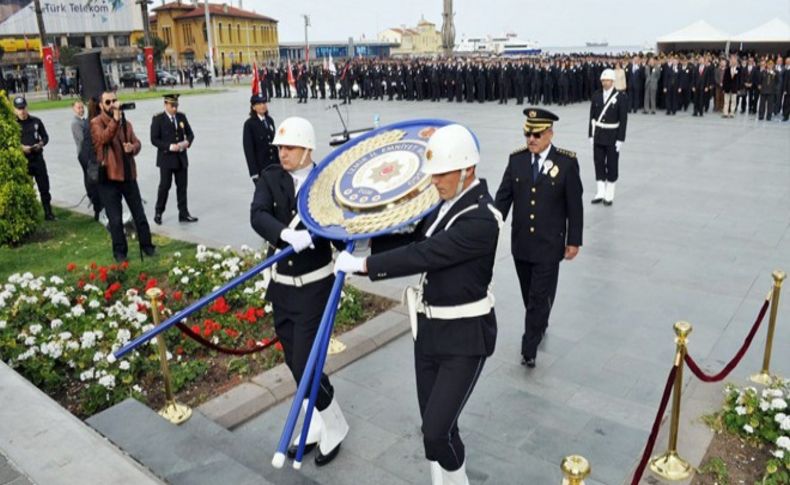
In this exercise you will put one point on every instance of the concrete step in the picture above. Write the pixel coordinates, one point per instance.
(196, 453)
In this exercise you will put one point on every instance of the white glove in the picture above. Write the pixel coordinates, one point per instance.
(591, 141)
(348, 263)
(300, 240)
(617, 145)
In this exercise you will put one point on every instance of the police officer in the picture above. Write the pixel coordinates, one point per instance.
(257, 137)
(172, 136)
(608, 119)
(300, 285)
(452, 311)
(34, 138)
(542, 184)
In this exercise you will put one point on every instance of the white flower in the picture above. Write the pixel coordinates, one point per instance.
(98, 356)
(226, 249)
(64, 335)
(245, 248)
(764, 405)
(3, 324)
(740, 410)
(56, 323)
(90, 287)
(201, 248)
(35, 329)
(56, 280)
(87, 375)
(112, 324)
(778, 404)
(216, 267)
(88, 339)
(94, 304)
(136, 388)
(748, 429)
(783, 442)
(107, 381)
(72, 345)
(100, 316)
(131, 293)
(177, 254)
(27, 354)
(77, 311)
(169, 355)
(124, 365)
(30, 341)
(778, 453)
(248, 291)
(123, 336)
(184, 280)
(177, 271)
(257, 256)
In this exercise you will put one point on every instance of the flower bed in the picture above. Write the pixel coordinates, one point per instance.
(57, 331)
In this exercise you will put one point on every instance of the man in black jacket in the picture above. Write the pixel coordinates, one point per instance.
(699, 86)
(300, 285)
(257, 138)
(172, 136)
(542, 184)
(34, 138)
(606, 131)
(452, 309)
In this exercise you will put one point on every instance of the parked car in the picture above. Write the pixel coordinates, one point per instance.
(164, 78)
(134, 80)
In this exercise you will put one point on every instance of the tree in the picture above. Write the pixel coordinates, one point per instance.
(67, 54)
(158, 44)
(20, 211)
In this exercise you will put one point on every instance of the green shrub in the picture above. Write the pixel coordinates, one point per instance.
(20, 211)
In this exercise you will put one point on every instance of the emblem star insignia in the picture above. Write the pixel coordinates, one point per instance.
(385, 171)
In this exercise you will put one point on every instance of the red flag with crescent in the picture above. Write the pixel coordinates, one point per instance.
(149, 64)
(256, 81)
(49, 66)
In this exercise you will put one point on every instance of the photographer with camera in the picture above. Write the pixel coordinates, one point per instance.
(34, 137)
(116, 145)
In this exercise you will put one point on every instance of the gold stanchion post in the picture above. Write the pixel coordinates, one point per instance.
(670, 465)
(764, 377)
(174, 412)
(575, 468)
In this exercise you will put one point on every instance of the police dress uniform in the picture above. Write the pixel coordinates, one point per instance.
(34, 134)
(167, 130)
(257, 137)
(608, 121)
(547, 217)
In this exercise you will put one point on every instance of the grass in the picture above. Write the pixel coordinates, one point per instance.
(124, 96)
(75, 238)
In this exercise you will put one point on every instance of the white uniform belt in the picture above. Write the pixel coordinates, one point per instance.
(606, 125)
(305, 279)
(477, 308)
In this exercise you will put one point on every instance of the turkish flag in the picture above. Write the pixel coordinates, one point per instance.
(149, 64)
(256, 82)
(49, 66)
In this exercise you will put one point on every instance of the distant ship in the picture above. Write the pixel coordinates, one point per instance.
(602, 43)
(507, 44)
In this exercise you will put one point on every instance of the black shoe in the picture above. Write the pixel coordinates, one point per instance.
(150, 251)
(307, 449)
(607, 203)
(187, 218)
(322, 459)
(120, 258)
(596, 200)
(49, 216)
(529, 362)
(158, 219)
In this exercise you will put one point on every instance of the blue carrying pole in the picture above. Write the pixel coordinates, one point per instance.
(198, 305)
(311, 375)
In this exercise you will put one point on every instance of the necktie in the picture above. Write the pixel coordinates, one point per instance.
(535, 166)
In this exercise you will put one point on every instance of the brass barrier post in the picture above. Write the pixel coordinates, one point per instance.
(670, 465)
(764, 377)
(575, 468)
(174, 412)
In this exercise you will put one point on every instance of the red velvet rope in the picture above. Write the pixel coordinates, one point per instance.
(223, 350)
(735, 360)
(651, 440)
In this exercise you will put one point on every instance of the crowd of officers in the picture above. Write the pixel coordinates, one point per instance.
(667, 82)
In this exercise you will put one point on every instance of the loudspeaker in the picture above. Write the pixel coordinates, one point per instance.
(91, 74)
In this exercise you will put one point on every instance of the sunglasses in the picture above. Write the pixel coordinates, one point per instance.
(534, 135)
(109, 101)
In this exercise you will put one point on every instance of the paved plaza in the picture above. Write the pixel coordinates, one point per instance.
(701, 218)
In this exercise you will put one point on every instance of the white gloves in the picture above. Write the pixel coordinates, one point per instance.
(591, 141)
(348, 263)
(617, 145)
(300, 240)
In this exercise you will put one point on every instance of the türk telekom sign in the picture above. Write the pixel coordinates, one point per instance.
(17, 17)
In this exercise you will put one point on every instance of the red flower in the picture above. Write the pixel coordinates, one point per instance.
(92, 276)
(177, 295)
(93, 265)
(107, 295)
(250, 343)
(115, 287)
(124, 265)
(220, 306)
(210, 326)
(71, 267)
(278, 346)
(196, 329)
(113, 267)
(143, 277)
(265, 341)
(103, 274)
(80, 284)
(179, 350)
(141, 308)
(150, 284)
(260, 313)
(231, 333)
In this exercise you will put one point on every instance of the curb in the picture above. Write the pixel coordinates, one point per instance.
(269, 388)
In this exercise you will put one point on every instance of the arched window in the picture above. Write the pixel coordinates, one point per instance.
(220, 33)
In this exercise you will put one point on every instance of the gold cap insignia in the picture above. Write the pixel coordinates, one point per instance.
(282, 130)
(428, 155)
(532, 114)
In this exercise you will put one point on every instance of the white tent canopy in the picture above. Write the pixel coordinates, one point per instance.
(772, 31)
(699, 31)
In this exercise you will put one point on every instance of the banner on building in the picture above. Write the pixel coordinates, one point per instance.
(17, 17)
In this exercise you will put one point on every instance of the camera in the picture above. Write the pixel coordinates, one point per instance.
(127, 106)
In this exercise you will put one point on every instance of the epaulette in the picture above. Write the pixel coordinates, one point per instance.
(567, 153)
(519, 150)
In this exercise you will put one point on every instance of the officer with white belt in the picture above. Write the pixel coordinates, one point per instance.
(300, 284)
(608, 119)
(454, 322)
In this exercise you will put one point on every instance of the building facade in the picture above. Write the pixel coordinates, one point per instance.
(239, 37)
(422, 40)
(295, 51)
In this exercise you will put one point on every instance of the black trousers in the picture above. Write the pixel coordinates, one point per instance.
(110, 193)
(606, 158)
(38, 170)
(166, 176)
(671, 100)
(699, 101)
(444, 384)
(538, 286)
(92, 189)
(766, 104)
(296, 331)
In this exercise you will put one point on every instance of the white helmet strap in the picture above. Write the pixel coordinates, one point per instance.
(304, 156)
(460, 187)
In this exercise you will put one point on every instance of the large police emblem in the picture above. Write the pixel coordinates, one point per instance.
(382, 176)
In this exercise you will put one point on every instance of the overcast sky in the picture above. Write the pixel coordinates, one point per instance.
(551, 23)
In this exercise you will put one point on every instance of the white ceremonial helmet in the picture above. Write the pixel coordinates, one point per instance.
(450, 148)
(295, 132)
(608, 74)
